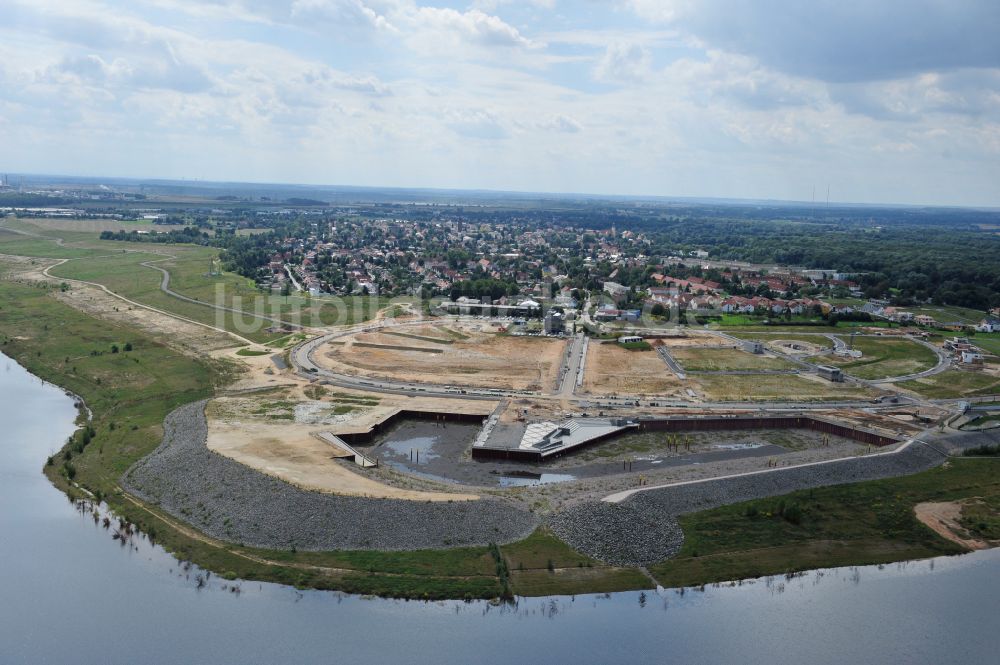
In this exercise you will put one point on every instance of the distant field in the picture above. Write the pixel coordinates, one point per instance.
(123, 274)
(989, 342)
(946, 314)
(757, 327)
(818, 341)
(885, 357)
(713, 360)
(22, 245)
(97, 225)
(737, 320)
(955, 383)
(116, 265)
(761, 388)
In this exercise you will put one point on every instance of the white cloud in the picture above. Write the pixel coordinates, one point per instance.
(477, 123)
(392, 92)
(339, 13)
(561, 123)
(624, 63)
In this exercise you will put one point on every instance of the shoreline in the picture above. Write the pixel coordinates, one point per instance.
(389, 573)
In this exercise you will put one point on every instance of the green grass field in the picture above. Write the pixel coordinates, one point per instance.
(131, 391)
(955, 383)
(947, 314)
(818, 340)
(988, 342)
(743, 320)
(776, 387)
(885, 357)
(862, 523)
(714, 360)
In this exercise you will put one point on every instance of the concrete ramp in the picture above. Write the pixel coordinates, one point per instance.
(344, 450)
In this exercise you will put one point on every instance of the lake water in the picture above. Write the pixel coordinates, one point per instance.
(71, 594)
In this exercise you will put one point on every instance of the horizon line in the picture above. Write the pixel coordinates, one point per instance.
(665, 198)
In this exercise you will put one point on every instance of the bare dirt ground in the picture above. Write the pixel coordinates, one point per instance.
(290, 450)
(482, 360)
(902, 424)
(943, 518)
(613, 369)
(431, 332)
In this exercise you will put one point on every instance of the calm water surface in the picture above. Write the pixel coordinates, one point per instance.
(71, 594)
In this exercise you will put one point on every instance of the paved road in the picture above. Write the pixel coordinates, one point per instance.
(288, 270)
(572, 367)
(671, 362)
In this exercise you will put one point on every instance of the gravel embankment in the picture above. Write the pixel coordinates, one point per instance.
(233, 502)
(643, 528)
(622, 534)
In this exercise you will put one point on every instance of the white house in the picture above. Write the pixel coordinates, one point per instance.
(989, 325)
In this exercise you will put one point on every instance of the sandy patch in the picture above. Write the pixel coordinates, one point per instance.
(482, 360)
(613, 369)
(943, 519)
(292, 453)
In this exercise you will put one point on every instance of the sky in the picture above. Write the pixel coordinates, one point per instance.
(883, 101)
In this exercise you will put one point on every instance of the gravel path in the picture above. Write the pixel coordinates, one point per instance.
(643, 529)
(232, 502)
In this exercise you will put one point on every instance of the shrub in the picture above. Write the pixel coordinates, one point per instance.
(793, 514)
(984, 450)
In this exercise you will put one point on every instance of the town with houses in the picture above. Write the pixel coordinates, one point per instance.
(562, 276)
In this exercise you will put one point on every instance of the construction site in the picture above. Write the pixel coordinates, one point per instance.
(452, 409)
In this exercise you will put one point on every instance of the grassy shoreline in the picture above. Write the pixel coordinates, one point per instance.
(131, 391)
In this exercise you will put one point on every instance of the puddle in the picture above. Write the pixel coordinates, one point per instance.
(528, 479)
(424, 445)
(738, 446)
